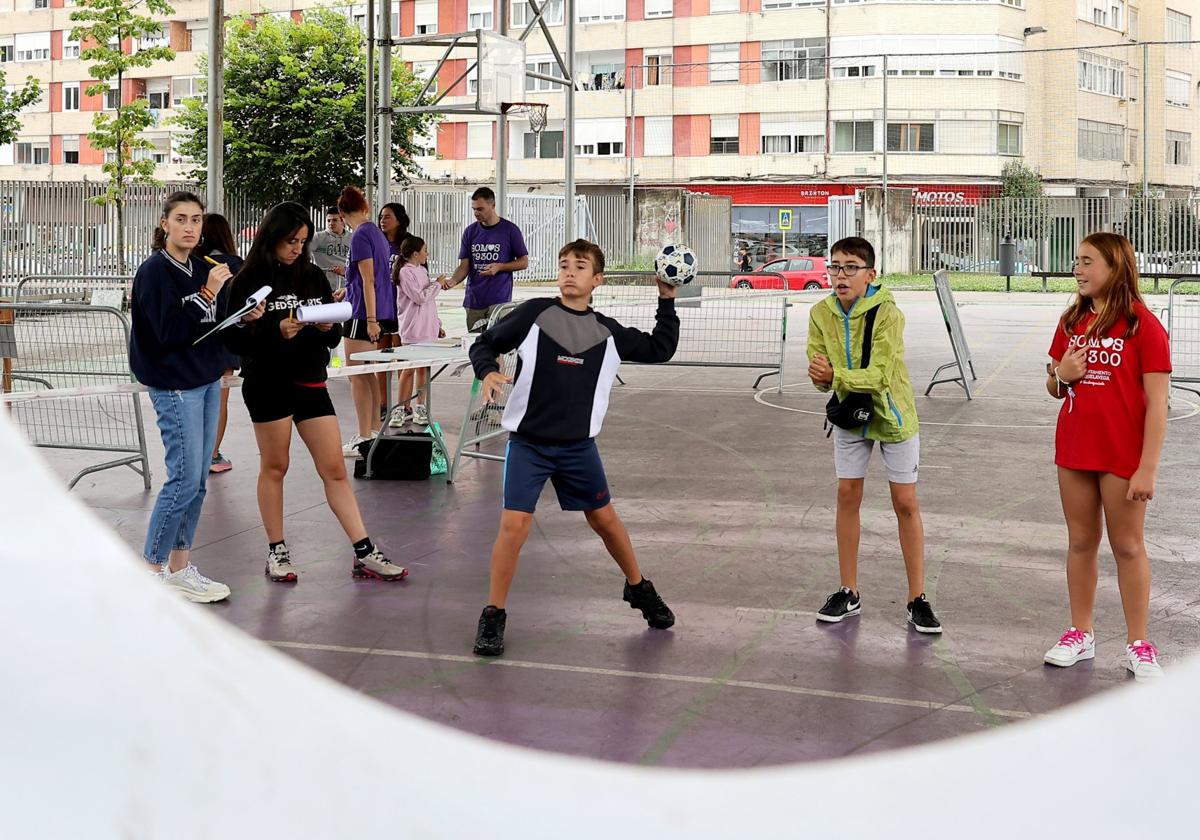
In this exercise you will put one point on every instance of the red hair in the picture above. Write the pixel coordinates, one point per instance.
(352, 200)
(1120, 294)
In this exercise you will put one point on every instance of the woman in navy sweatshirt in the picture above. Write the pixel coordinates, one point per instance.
(284, 370)
(176, 299)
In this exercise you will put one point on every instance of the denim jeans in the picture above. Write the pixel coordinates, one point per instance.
(188, 423)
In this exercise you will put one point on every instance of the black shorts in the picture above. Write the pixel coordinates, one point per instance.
(269, 401)
(357, 330)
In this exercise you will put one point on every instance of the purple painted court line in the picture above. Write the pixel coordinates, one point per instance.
(730, 504)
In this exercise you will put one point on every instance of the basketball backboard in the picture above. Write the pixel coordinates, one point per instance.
(495, 71)
(501, 71)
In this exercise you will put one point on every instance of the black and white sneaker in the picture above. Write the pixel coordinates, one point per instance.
(645, 598)
(921, 617)
(489, 638)
(839, 605)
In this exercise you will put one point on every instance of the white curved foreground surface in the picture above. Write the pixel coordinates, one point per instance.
(125, 712)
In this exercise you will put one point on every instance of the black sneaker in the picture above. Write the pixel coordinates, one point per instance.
(489, 638)
(921, 617)
(644, 597)
(839, 605)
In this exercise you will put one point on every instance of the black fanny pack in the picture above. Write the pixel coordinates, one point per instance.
(857, 409)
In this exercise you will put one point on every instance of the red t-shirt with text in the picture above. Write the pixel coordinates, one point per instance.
(1103, 427)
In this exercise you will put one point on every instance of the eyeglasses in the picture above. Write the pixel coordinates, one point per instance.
(848, 270)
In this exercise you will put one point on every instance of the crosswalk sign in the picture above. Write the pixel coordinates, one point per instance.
(785, 219)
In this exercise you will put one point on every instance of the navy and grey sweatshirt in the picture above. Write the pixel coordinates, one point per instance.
(264, 351)
(168, 314)
(566, 363)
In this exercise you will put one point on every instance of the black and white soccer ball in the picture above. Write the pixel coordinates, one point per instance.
(675, 265)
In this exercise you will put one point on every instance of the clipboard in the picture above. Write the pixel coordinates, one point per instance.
(251, 302)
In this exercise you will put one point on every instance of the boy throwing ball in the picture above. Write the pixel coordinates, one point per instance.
(568, 357)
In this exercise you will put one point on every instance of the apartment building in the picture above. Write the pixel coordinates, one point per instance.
(773, 102)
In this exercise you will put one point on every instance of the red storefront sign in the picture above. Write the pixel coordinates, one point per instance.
(801, 194)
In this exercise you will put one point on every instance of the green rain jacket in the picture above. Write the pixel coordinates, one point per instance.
(838, 335)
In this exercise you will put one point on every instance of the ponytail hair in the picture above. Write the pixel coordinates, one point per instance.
(159, 241)
(352, 200)
(410, 245)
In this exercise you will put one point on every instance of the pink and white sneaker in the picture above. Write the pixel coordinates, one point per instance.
(1074, 646)
(1141, 658)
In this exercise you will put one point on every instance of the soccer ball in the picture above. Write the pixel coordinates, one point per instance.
(675, 265)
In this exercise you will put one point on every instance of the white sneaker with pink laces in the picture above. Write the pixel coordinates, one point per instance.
(1142, 659)
(1074, 646)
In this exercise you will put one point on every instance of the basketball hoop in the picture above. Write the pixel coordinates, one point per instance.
(535, 110)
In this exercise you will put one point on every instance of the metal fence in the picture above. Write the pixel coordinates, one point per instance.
(1183, 326)
(1165, 232)
(481, 422)
(47, 347)
(721, 325)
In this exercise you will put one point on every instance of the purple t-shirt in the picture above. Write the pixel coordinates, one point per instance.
(369, 243)
(483, 245)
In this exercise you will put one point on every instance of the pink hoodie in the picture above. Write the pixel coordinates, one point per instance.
(418, 315)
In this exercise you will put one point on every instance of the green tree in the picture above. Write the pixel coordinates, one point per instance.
(294, 104)
(11, 104)
(1145, 224)
(1022, 210)
(106, 25)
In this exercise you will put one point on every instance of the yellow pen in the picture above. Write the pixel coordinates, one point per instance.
(210, 260)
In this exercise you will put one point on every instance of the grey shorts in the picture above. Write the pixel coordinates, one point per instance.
(477, 318)
(852, 452)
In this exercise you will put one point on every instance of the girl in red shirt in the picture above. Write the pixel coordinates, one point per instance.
(1111, 366)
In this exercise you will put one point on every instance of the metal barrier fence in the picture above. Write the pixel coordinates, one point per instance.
(1183, 326)
(49, 346)
(481, 423)
(94, 290)
(721, 324)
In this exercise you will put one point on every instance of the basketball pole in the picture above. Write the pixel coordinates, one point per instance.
(385, 103)
(215, 176)
(569, 129)
(502, 128)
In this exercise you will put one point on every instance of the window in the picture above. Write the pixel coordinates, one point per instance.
(1133, 24)
(426, 142)
(1101, 74)
(1179, 26)
(32, 46)
(162, 38)
(1008, 139)
(910, 137)
(723, 136)
(7, 52)
(597, 11)
(797, 58)
(473, 80)
(34, 152)
(1179, 89)
(184, 88)
(547, 145)
(784, 134)
(70, 96)
(1179, 148)
(658, 8)
(658, 68)
(716, 7)
(854, 136)
(479, 14)
(479, 140)
(929, 56)
(425, 17)
(1100, 141)
(112, 99)
(158, 92)
(723, 62)
(854, 71)
(41, 4)
(602, 70)
(791, 4)
(70, 49)
(600, 137)
(659, 137)
(70, 148)
(197, 35)
(1109, 13)
(547, 66)
(552, 12)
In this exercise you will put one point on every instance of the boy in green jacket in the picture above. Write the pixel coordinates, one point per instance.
(835, 338)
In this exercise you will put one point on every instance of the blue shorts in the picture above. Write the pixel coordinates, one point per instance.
(573, 468)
